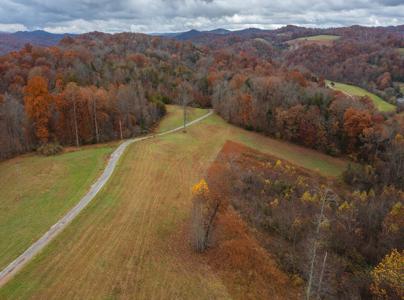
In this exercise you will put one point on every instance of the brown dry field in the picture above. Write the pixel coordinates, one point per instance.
(131, 242)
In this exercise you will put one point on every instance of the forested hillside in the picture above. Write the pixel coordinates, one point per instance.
(365, 56)
(15, 41)
(99, 87)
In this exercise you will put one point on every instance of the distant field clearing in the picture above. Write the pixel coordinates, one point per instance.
(401, 85)
(352, 90)
(320, 40)
(321, 37)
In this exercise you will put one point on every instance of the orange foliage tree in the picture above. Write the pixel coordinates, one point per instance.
(37, 105)
(355, 122)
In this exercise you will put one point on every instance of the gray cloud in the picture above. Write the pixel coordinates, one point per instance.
(179, 15)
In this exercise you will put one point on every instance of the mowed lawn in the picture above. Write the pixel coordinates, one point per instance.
(352, 90)
(131, 241)
(36, 191)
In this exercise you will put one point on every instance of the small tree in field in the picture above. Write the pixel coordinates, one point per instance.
(205, 208)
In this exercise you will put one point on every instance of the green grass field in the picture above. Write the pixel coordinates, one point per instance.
(321, 37)
(401, 50)
(174, 117)
(352, 90)
(36, 191)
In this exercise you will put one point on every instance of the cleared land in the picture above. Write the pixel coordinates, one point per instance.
(174, 117)
(401, 50)
(321, 37)
(320, 40)
(352, 90)
(131, 239)
(26, 202)
(36, 191)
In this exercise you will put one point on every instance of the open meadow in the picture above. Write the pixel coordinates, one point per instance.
(352, 90)
(321, 37)
(36, 191)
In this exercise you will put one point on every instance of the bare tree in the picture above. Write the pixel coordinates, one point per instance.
(321, 275)
(325, 196)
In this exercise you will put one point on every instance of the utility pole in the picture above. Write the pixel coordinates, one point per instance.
(184, 108)
(120, 129)
(97, 136)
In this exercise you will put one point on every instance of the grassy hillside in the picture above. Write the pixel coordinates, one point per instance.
(132, 239)
(352, 90)
(175, 117)
(321, 37)
(36, 191)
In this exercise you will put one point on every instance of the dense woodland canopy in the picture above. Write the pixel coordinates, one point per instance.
(98, 87)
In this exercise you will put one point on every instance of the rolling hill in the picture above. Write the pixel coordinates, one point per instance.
(15, 41)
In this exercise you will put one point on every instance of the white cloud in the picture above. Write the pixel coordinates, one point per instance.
(178, 15)
(12, 27)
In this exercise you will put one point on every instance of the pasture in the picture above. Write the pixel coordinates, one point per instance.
(352, 90)
(36, 191)
(321, 37)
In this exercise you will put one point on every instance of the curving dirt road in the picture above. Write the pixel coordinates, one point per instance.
(9, 271)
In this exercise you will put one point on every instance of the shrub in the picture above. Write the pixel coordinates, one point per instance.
(50, 149)
(360, 176)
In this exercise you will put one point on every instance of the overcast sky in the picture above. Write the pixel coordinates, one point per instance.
(78, 16)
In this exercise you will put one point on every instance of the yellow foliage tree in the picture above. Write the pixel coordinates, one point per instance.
(205, 208)
(388, 277)
(201, 188)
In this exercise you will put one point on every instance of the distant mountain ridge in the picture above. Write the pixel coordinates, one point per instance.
(219, 37)
(15, 41)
